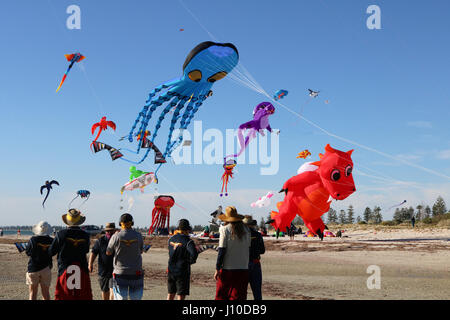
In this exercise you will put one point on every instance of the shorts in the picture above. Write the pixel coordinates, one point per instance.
(105, 283)
(178, 284)
(43, 277)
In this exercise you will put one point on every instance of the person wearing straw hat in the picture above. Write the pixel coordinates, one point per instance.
(127, 247)
(231, 273)
(105, 262)
(72, 245)
(40, 262)
(254, 265)
(182, 253)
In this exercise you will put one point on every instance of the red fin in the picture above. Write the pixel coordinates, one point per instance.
(69, 57)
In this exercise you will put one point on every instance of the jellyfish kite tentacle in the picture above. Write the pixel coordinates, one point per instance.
(175, 117)
(143, 113)
(186, 119)
(178, 103)
(155, 104)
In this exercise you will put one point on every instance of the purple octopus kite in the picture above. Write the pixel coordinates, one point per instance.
(258, 124)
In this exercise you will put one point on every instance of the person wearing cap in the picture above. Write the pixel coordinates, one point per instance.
(257, 248)
(231, 273)
(72, 245)
(40, 263)
(182, 253)
(126, 247)
(105, 262)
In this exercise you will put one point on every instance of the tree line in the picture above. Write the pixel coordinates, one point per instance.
(374, 216)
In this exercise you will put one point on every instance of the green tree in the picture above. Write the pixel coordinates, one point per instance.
(420, 214)
(397, 216)
(427, 212)
(439, 207)
(377, 217)
(350, 214)
(342, 217)
(367, 215)
(332, 216)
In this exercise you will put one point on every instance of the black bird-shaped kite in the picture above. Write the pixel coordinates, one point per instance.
(313, 93)
(48, 186)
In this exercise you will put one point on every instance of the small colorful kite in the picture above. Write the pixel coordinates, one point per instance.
(280, 94)
(102, 125)
(135, 173)
(72, 58)
(313, 93)
(99, 146)
(263, 201)
(146, 143)
(397, 205)
(140, 182)
(228, 166)
(48, 186)
(304, 154)
(84, 194)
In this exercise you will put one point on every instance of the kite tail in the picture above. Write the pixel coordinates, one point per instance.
(84, 202)
(72, 201)
(98, 135)
(43, 202)
(242, 142)
(61, 83)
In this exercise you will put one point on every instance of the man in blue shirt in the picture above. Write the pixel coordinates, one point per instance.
(254, 265)
(40, 262)
(105, 262)
(182, 253)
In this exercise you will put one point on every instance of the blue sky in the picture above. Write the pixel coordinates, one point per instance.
(387, 91)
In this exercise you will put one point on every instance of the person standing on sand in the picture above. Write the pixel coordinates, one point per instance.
(126, 247)
(40, 263)
(182, 253)
(291, 231)
(105, 262)
(413, 221)
(232, 260)
(72, 246)
(257, 248)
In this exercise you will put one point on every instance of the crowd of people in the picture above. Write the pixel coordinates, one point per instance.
(119, 252)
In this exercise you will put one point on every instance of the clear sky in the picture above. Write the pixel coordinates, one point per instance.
(387, 92)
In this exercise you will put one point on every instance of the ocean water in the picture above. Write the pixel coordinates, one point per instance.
(14, 232)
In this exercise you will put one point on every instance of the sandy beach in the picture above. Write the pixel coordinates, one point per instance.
(413, 264)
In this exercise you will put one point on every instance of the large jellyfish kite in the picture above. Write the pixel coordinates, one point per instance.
(204, 65)
(161, 213)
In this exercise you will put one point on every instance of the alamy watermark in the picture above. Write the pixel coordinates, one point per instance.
(211, 146)
(374, 280)
(373, 22)
(74, 20)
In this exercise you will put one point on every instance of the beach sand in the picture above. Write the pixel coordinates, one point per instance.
(413, 264)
